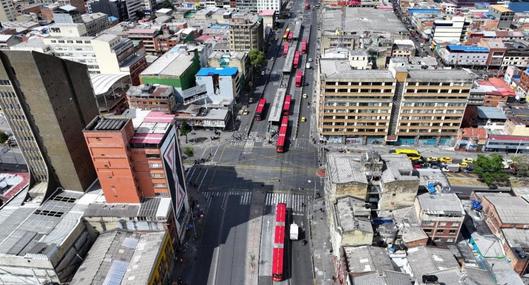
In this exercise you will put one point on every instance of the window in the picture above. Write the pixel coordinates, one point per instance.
(160, 185)
(155, 165)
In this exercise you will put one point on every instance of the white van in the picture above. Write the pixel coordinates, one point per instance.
(307, 66)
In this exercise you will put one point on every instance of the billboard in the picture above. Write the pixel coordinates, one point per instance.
(175, 176)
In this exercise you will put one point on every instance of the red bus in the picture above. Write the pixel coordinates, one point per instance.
(278, 252)
(296, 59)
(282, 138)
(303, 47)
(285, 48)
(259, 111)
(299, 78)
(290, 36)
(286, 105)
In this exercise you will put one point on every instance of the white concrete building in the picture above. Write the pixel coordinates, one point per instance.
(222, 84)
(108, 54)
(461, 55)
(449, 31)
(7, 11)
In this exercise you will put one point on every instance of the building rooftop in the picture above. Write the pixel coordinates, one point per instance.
(424, 260)
(220, 71)
(383, 278)
(150, 127)
(345, 169)
(341, 69)
(346, 219)
(467, 48)
(517, 238)
(147, 90)
(157, 208)
(500, 8)
(491, 113)
(441, 75)
(172, 63)
(358, 20)
(398, 167)
(436, 176)
(106, 124)
(495, 86)
(441, 204)
(120, 257)
(510, 209)
(364, 259)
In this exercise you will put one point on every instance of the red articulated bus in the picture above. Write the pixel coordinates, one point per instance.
(303, 47)
(278, 252)
(299, 78)
(285, 48)
(296, 59)
(282, 138)
(286, 105)
(259, 111)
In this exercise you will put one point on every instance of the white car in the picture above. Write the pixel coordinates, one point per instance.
(310, 59)
(307, 66)
(304, 95)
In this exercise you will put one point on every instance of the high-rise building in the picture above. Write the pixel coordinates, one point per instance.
(48, 101)
(124, 10)
(138, 158)
(449, 31)
(377, 106)
(7, 11)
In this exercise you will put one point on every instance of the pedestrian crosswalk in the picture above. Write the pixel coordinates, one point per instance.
(296, 202)
(244, 197)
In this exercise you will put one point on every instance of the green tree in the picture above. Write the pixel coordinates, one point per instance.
(188, 151)
(185, 129)
(257, 59)
(490, 169)
(521, 165)
(3, 137)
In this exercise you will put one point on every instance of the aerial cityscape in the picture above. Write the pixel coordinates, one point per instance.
(260, 142)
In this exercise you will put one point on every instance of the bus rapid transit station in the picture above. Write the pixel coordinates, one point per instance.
(277, 106)
(287, 68)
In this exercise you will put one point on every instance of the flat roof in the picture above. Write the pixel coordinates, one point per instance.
(172, 63)
(516, 237)
(341, 70)
(456, 75)
(221, 71)
(500, 8)
(152, 129)
(276, 109)
(467, 48)
(362, 19)
(107, 124)
(120, 257)
(510, 209)
(491, 113)
(441, 204)
(347, 220)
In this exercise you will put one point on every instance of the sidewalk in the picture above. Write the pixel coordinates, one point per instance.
(320, 243)
(185, 255)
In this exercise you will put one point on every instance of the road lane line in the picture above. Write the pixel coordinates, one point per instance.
(216, 252)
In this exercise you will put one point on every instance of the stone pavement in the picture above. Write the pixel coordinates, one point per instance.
(323, 268)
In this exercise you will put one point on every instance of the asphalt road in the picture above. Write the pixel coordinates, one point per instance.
(244, 180)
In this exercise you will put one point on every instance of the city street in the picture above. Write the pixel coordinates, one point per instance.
(244, 178)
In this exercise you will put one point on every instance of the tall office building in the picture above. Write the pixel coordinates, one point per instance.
(7, 11)
(47, 102)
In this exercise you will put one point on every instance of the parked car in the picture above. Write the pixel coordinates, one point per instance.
(445, 159)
